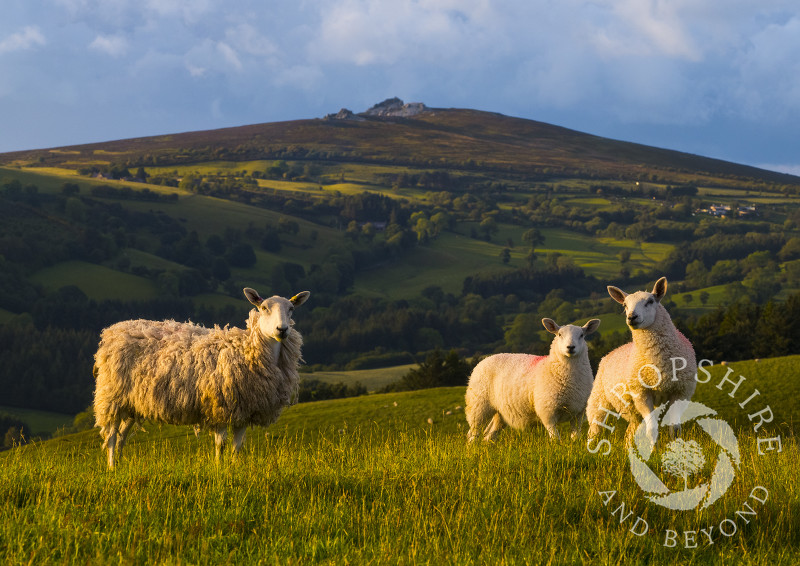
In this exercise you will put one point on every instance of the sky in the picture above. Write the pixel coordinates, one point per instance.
(719, 78)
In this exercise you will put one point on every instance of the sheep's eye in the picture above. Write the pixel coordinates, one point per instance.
(291, 310)
(649, 302)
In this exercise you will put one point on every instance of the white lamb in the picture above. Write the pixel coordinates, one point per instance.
(519, 389)
(657, 367)
(183, 373)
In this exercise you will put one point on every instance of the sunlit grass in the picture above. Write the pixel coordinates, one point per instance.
(365, 494)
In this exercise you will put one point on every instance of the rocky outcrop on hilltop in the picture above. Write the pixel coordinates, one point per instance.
(394, 107)
(344, 114)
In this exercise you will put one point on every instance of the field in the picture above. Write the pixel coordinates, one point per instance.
(388, 478)
(41, 422)
(97, 282)
(445, 261)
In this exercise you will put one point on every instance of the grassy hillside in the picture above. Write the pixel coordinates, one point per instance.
(466, 138)
(371, 480)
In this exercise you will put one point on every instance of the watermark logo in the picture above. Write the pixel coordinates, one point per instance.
(688, 474)
(684, 459)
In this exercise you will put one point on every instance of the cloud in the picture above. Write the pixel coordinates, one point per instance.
(28, 38)
(111, 45)
(646, 27)
(370, 32)
(768, 85)
(229, 54)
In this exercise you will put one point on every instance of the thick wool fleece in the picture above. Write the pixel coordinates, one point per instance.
(183, 373)
(618, 371)
(525, 389)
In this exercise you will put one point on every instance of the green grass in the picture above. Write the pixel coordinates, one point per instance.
(364, 481)
(98, 282)
(372, 379)
(451, 257)
(40, 422)
(774, 378)
(717, 295)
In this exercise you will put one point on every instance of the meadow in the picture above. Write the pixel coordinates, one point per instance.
(388, 478)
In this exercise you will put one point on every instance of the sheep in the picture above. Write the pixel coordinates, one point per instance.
(186, 374)
(516, 389)
(657, 366)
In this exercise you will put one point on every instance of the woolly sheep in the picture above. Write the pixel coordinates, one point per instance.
(657, 367)
(518, 389)
(186, 374)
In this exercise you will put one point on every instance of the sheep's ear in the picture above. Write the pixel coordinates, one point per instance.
(617, 294)
(660, 289)
(591, 326)
(253, 296)
(550, 325)
(300, 298)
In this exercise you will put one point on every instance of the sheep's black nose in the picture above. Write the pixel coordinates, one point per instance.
(571, 349)
(633, 318)
(282, 330)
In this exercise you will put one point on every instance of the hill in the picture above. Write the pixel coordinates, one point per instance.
(467, 140)
(450, 229)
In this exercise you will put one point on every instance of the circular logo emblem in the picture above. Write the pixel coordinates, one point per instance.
(685, 458)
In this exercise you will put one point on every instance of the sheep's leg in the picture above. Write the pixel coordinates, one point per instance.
(220, 435)
(552, 430)
(644, 405)
(478, 414)
(678, 411)
(238, 439)
(111, 440)
(577, 424)
(550, 422)
(633, 423)
(494, 428)
(125, 429)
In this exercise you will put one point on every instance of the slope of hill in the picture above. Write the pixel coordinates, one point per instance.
(451, 229)
(446, 138)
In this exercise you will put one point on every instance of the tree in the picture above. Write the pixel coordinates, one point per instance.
(241, 255)
(220, 269)
(352, 231)
(505, 255)
(488, 226)
(437, 371)
(533, 237)
(368, 231)
(704, 296)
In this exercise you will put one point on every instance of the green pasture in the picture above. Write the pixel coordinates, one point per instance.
(449, 258)
(40, 422)
(444, 262)
(386, 479)
(775, 380)
(594, 203)
(717, 295)
(141, 258)
(52, 179)
(96, 281)
(372, 379)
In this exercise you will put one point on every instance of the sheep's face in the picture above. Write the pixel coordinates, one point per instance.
(275, 313)
(570, 341)
(641, 307)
